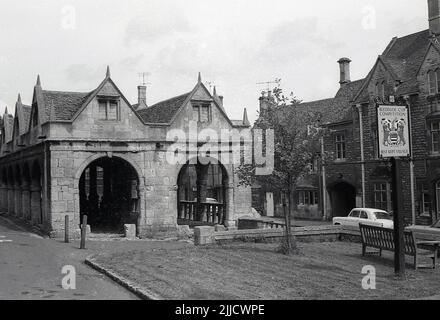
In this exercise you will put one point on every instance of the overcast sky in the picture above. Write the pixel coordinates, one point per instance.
(234, 44)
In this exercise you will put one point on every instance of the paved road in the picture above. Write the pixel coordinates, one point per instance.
(30, 268)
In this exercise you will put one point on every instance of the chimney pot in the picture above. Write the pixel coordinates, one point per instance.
(344, 66)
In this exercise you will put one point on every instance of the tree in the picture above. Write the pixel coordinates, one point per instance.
(296, 143)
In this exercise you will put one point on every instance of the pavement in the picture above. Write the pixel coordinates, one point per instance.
(31, 266)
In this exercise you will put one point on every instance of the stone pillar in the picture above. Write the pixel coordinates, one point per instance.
(202, 184)
(26, 201)
(10, 199)
(36, 205)
(229, 210)
(3, 198)
(17, 201)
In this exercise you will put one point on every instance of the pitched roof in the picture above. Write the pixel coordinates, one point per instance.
(334, 109)
(403, 58)
(405, 54)
(63, 105)
(26, 115)
(164, 111)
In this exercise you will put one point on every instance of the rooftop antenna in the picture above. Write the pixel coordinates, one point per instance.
(143, 76)
(268, 84)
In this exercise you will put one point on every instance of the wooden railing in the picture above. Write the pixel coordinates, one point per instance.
(212, 213)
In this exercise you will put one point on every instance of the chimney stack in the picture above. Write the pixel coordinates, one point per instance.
(344, 66)
(434, 17)
(142, 96)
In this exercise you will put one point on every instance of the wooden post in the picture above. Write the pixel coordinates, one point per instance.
(66, 229)
(399, 223)
(83, 233)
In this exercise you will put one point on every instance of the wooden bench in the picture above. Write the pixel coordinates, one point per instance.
(383, 239)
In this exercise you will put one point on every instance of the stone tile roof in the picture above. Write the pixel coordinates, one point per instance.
(63, 105)
(164, 111)
(26, 116)
(403, 58)
(335, 109)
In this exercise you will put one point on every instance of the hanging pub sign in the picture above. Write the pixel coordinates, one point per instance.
(393, 131)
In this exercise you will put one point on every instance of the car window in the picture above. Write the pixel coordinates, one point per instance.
(383, 215)
(355, 214)
(437, 224)
(364, 215)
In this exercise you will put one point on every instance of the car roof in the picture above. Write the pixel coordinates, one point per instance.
(370, 209)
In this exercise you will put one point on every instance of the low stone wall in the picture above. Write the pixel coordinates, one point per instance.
(208, 235)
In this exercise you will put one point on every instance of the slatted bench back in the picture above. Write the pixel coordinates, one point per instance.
(383, 238)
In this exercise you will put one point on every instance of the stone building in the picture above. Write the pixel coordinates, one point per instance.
(94, 153)
(351, 173)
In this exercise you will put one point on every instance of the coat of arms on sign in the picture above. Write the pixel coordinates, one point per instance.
(393, 132)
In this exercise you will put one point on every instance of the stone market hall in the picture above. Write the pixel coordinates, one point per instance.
(95, 154)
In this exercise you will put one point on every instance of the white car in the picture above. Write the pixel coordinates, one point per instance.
(374, 217)
(427, 233)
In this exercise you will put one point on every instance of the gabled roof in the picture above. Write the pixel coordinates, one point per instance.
(402, 58)
(164, 111)
(63, 105)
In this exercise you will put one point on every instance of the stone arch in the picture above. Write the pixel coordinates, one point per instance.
(110, 192)
(4, 190)
(26, 191)
(95, 157)
(209, 203)
(17, 191)
(10, 187)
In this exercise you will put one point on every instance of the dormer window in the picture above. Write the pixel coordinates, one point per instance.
(108, 109)
(202, 113)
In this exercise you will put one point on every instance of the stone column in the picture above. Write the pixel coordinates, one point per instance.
(26, 201)
(17, 201)
(229, 209)
(10, 199)
(202, 184)
(36, 205)
(3, 198)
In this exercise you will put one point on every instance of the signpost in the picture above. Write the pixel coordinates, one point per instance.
(393, 127)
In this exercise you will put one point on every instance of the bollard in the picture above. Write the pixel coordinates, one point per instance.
(83, 233)
(66, 229)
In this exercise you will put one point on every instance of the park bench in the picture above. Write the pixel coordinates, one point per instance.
(383, 239)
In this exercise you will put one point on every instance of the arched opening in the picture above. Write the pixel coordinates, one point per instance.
(4, 196)
(109, 195)
(342, 198)
(202, 194)
(17, 192)
(10, 187)
(26, 192)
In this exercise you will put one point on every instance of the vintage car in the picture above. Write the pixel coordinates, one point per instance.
(374, 217)
(427, 232)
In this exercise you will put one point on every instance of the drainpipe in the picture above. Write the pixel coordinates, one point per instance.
(411, 166)
(361, 133)
(324, 183)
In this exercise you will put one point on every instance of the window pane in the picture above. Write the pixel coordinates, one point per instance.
(113, 111)
(432, 82)
(103, 110)
(196, 114)
(204, 117)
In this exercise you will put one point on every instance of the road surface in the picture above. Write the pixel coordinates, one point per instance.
(30, 268)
